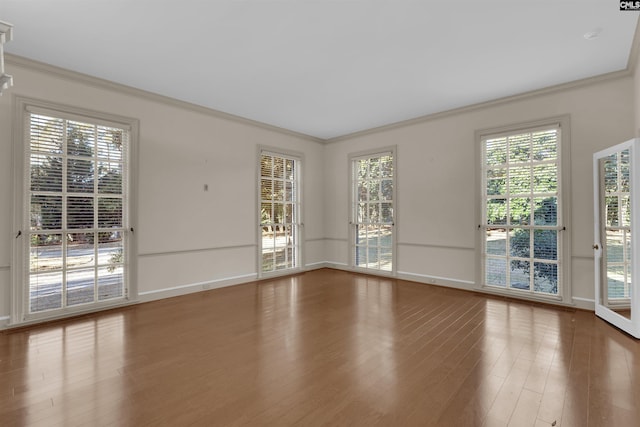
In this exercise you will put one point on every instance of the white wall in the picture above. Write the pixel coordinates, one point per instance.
(437, 182)
(185, 236)
(188, 237)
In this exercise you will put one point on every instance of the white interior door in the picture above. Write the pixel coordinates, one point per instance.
(615, 210)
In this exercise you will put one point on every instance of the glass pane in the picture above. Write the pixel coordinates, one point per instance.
(520, 211)
(611, 208)
(496, 241)
(362, 213)
(281, 260)
(79, 212)
(80, 286)
(496, 151)
(545, 278)
(496, 181)
(374, 212)
(386, 236)
(80, 139)
(615, 246)
(545, 179)
(496, 271)
(520, 274)
(46, 134)
(266, 212)
(374, 167)
(268, 261)
(46, 173)
(45, 252)
(625, 210)
(618, 288)
(386, 167)
(496, 211)
(46, 212)
(110, 143)
(374, 190)
(610, 174)
(520, 148)
(386, 189)
(278, 191)
(545, 244)
(109, 212)
(362, 192)
(80, 250)
(266, 189)
(110, 249)
(278, 212)
(624, 172)
(520, 180)
(45, 291)
(289, 191)
(386, 259)
(110, 282)
(387, 212)
(288, 213)
(545, 211)
(278, 167)
(289, 169)
(110, 178)
(362, 169)
(266, 166)
(519, 240)
(80, 176)
(361, 256)
(545, 145)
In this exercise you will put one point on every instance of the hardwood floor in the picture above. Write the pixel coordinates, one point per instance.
(323, 348)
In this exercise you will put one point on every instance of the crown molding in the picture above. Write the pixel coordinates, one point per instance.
(128, 90)
(100, 83)
(615, 75)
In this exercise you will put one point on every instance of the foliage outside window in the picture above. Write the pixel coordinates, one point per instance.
(520, 210)
(77, 201)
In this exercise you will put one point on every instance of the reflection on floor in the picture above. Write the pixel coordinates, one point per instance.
(323, 348)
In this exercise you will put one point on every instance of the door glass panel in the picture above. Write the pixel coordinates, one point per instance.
(373, 216)
(616, 232)
(279, 213)
(77, 204)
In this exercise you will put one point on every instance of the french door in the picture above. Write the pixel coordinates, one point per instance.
(73, 235)
(615, 233)
(372, 211)
(280, 212)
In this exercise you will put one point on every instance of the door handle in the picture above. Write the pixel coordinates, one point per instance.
(596, 246)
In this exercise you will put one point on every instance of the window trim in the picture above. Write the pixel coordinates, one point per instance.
(23, 107)
(299, 158)
(351, 158)
(563, 123)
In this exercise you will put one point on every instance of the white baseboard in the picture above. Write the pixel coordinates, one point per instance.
(584, 303)
(436, 280)
(316, 266)
(195, 287)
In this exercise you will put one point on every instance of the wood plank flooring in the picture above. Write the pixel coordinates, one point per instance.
(323, 348)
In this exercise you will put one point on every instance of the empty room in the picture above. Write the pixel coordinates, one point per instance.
(319, 213)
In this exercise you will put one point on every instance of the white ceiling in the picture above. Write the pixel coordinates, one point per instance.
(326, 67)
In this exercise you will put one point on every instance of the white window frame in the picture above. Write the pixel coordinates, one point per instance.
(563, 124)
(298, 222)
(352, 158)
(23, 107)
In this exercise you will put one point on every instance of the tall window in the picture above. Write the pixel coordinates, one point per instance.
(372, 178)
(279, 212)
(74, 226)
(521, 210)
